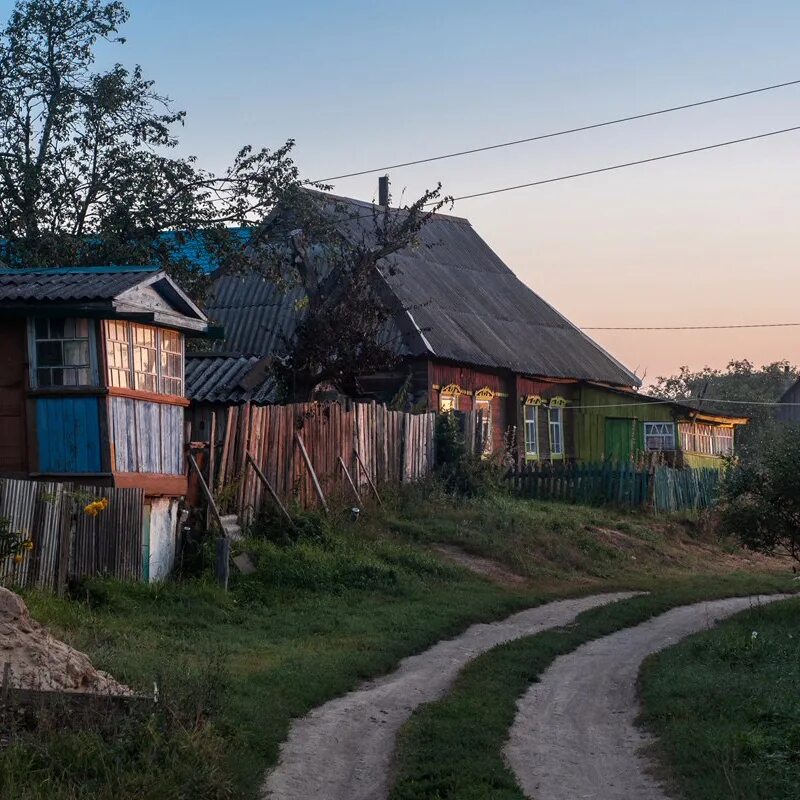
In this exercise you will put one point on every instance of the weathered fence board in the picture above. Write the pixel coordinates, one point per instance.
(68, 543)
(394, 446)
(663, 489)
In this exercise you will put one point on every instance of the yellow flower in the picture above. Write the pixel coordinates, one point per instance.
(18, 558)
(28, 545)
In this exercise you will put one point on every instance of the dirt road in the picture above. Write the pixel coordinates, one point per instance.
(574, 735)
(343, 749)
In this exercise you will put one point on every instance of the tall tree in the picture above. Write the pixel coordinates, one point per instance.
(739, 381)
(88, 172)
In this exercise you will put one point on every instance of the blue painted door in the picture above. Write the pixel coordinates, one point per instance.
(68, 433)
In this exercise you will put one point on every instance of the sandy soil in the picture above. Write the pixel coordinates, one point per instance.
(343, 749)
(40, 661)
(574, 735)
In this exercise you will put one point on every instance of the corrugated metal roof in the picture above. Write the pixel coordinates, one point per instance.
(69, 284)
(217, 378)
(464, 303)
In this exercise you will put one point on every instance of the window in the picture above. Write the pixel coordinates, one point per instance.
(708, 440)
(531, 421)
(144, 358)
(62, 353)
(118, 354)
(448, 397)
(555, 419)
(484, 408)
(659, 436)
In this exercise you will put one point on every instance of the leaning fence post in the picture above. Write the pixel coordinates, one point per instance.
(252, 462)
(367, 476)
(207, 492)
(222, 567)
(317, 488)
(350, 480)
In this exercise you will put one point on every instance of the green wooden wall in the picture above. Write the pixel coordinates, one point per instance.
(590, 423)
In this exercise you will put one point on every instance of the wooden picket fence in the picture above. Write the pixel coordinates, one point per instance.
(67, 543)
(373, 443)
(662, 489)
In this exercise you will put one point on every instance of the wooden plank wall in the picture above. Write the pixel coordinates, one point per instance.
(66, 541)
(395, 447)
(146, 437)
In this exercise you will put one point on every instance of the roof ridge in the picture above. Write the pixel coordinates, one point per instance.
(99, 270)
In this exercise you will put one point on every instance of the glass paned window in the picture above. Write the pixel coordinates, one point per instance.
(659, 436)
(531, 419)
(171, 362)
(118, 350)
(448, 402)
(62, 353)
(555, 419)
(723, 441)
(484, 408)
(145, 358)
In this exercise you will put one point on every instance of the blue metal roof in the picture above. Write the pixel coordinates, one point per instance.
(194, 250)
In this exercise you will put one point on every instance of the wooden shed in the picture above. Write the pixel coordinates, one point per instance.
(92, 384)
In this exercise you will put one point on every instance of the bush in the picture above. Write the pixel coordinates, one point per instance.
(760, 499)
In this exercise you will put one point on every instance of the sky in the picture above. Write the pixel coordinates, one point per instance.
(707, 239)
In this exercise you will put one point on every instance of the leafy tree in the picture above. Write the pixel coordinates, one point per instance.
(760, 502)
(740, 380)
(88, 173)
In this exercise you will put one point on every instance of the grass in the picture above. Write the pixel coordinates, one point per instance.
(726, 707)
(453, 748)
(343, 604)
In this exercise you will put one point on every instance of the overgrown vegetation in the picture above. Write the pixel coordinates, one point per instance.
(726, 708)
(760, 502)
(331, 603)
(453, 748)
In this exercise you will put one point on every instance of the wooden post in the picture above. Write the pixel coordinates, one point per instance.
(207, 492)
(317, 488)
(350, 481)
(366, 475)
(270, 489)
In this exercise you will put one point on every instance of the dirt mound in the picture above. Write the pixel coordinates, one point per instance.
(39, 661)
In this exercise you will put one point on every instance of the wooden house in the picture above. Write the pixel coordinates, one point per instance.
(92, 385)
(788, 409)
(469, 335)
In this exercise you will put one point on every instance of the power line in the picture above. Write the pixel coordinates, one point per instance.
(558, 133)
(694, 327)
(694, 402)
(626, 164)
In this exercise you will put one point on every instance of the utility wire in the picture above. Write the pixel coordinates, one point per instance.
(694, 327)
(558, 133)
(626, 164)
(694, 402)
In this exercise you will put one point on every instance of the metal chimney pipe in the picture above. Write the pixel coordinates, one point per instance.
(383, 191)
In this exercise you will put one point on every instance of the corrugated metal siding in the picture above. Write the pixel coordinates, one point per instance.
(147, 437)
(68, 431)
(51, 516)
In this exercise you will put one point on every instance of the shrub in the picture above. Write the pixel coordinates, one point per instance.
(760, 499)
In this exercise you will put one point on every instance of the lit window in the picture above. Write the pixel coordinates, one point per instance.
(659, 436)
(144, 358)
(484, 408)
(555, 419)
(531, 420)
(448, 397)
(62, 353)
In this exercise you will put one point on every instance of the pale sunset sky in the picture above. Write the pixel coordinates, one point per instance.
(706, 239)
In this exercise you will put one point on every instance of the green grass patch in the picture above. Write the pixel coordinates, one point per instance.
(329, 606)
(453, 748)
(725, 705)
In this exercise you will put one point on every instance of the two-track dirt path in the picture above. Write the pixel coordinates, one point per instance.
(343, 749)
(574, 735)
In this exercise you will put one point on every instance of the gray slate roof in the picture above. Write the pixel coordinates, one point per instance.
(58, 285)
(218, 377)
(459, 303)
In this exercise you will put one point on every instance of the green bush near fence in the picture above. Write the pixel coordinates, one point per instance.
(662, 489)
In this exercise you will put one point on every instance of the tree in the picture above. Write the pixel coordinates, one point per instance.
(760, 501)
(341, 258)
(88, 173)
(740, 380)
